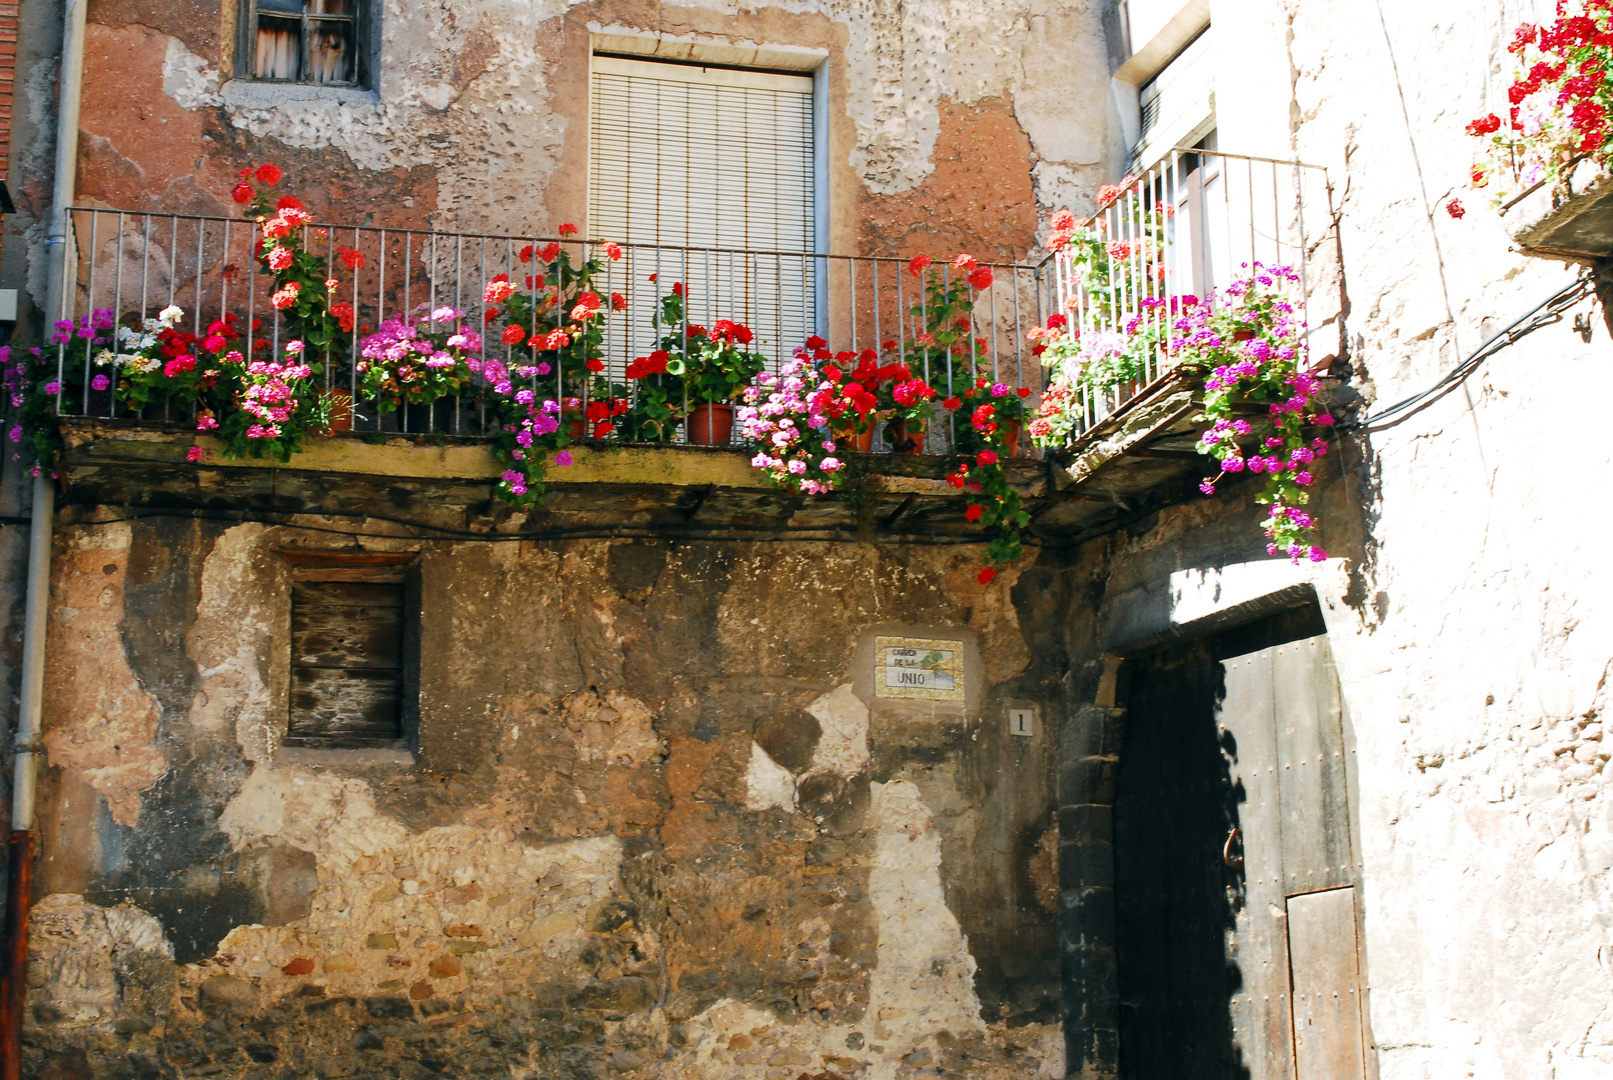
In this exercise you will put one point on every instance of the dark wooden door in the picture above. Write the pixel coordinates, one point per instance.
(1235, 868)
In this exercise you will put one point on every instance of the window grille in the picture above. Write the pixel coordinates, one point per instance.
(693, 158)
(320, 42)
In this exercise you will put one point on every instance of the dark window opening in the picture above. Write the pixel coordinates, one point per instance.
(353, 655)
(319, 42)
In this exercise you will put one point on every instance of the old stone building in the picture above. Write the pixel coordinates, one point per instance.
(349, 766)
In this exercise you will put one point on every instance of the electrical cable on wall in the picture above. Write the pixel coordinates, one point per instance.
(1546, 313)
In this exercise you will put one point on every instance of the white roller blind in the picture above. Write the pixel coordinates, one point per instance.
(713, 166)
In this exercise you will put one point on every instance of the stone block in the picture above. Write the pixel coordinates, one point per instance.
(226, 994)
(389, 1007)
(615, 995)
(1088, 780)
(1086, 865)
(1083, 823)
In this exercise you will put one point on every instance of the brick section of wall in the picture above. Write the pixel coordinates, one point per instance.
(8, 79)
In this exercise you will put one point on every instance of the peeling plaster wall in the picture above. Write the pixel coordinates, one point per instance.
(652, 829)
(951, 125)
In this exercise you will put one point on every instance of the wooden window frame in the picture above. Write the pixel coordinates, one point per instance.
(313, 565)
(365, 20)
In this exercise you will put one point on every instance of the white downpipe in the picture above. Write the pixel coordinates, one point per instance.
(70, 97)
(28, 747)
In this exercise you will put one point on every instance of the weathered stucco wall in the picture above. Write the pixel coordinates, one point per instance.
(1482, 648)
(949, 127)
(1465, 603)
(657, 826)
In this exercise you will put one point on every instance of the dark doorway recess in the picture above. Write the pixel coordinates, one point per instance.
(1234, 862)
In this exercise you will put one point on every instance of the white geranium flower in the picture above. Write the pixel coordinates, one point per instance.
(170, 316)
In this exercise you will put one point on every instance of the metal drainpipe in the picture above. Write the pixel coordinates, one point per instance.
(19, 894)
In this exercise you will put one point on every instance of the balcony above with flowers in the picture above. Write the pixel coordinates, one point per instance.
(1542, 157)
(460, 384)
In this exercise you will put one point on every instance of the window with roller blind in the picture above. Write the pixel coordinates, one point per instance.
(709, 172)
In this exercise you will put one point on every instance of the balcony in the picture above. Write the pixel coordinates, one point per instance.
(428, 463)
(1193, 223)
(1572, 221)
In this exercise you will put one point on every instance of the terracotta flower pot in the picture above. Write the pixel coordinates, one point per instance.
(575, 421)
(850, 438)
(1011, 433)
(341, 410)
(907, 436)
(710, 425)
(1243, 333)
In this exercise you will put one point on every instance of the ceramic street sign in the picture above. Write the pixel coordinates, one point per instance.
(918, 668)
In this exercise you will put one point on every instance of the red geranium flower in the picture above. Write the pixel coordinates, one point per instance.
(986, 575)
(268, 174)
(981, 278)
(513, 335)
(974, 512)
(917, 265)
(243, 192)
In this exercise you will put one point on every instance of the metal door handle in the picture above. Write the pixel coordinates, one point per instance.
(1226, 850)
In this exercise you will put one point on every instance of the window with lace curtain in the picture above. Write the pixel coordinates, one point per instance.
(316, 42)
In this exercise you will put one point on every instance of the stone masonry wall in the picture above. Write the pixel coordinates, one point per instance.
(656, 827)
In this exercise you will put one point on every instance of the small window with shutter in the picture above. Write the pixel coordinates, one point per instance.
(353, 655)
(319, 42)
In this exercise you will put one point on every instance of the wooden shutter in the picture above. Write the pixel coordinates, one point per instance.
(689, 157)
(350, 636)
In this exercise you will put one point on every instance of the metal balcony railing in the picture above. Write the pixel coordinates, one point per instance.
(132, 264)
(1188, 225)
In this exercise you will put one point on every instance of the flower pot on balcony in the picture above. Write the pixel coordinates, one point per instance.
(1011, 433)
(710, 425)
(575, 421)
(907, 436)
(849, 438)
(341, 410)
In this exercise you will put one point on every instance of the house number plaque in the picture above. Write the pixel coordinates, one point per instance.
(918, 668)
